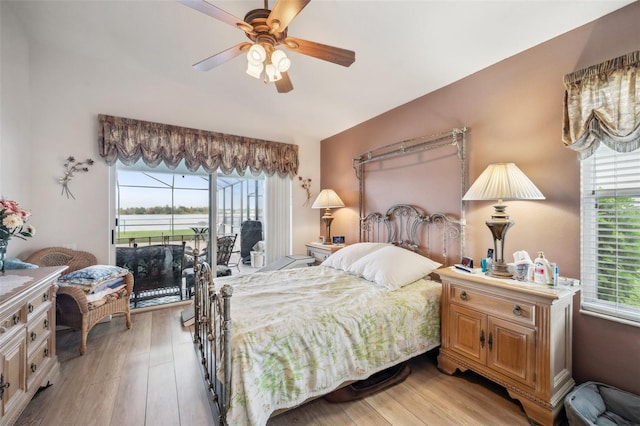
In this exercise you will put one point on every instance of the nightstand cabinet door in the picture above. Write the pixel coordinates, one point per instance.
(511, 350)
(468, 333)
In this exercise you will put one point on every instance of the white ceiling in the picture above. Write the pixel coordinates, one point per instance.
(404, 49)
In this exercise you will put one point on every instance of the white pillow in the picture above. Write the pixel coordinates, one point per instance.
(344, 258)
(393, 267)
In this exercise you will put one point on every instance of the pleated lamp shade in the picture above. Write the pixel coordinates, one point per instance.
(503, 181)
(327, 199)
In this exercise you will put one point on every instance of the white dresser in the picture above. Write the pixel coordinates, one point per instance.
(28, 358)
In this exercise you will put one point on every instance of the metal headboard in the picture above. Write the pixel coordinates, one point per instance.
(454, 137)
(401, 223)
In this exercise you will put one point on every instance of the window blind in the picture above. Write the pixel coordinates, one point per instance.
(610, 212)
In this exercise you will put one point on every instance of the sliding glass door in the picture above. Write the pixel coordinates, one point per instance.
(167, 207)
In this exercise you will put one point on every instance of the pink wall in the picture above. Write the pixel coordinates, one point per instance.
(513, 110)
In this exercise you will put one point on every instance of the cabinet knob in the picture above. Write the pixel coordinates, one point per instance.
(45, 297)
(517, 310)
(30, 308)
(34, 336)
(33, 367)
(15, 319)
(463, 295)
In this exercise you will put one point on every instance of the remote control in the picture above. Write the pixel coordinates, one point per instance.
(464, 268)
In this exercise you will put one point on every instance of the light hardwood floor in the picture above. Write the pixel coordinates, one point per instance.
(150, 375)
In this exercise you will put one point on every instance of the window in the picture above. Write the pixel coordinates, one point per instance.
(610, 212)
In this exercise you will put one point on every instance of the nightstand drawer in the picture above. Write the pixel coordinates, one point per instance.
(320, 252)
(521, 312)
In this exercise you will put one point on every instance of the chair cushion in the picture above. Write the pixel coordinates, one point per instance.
(91, 277)
(594, 403)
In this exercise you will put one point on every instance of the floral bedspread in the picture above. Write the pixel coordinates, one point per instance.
(299, 333)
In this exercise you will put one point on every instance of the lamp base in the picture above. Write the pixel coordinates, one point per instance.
(499, 270)
(327, 218)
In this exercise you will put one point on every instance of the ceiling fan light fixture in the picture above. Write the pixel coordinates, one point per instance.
(280, 60)
(256, 54)
(273, 74)
(254, 70)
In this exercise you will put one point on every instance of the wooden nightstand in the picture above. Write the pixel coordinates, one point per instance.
(513, 333)
(321, 251)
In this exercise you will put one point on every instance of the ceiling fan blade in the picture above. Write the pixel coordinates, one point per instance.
(217, 13)
(321, 51)
(222, 57)
(284, 84)
(283, 13)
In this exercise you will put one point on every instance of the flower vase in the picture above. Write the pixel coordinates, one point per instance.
(3, 253)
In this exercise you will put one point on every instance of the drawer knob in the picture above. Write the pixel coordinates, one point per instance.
(46, 324)
(517, 310)
(463, 295)
(46, 352)
(34, 367)
(16, 319)
(34, 336)
(45, 297)
(30, 308)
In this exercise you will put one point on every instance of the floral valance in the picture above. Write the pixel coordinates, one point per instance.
(130, 140)
(602, 104)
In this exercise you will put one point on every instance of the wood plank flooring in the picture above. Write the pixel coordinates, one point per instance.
(151, 375)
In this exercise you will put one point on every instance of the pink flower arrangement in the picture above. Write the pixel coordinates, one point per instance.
(13, 221)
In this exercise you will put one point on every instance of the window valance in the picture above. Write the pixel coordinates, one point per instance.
(129, 140)
(602, 104)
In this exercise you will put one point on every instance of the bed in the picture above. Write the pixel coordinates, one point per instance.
(301, 333)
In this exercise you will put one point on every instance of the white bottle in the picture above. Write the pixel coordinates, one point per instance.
(541, 270)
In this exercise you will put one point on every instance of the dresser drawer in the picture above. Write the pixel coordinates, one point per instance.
(37, 301)
(37, 362)
(12, 320)
(38, 329)
(521, 312)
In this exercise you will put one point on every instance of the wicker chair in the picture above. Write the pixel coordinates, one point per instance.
(60, 256)
(74, 311)
(72, 307)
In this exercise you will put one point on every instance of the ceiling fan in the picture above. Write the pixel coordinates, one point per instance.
(267, 29)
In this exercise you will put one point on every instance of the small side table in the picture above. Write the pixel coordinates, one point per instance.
(321, 251)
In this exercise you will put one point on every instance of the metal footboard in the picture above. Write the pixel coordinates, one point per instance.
(212, 309)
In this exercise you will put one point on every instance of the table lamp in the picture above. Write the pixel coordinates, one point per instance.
(501, 181)
(327, 199)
